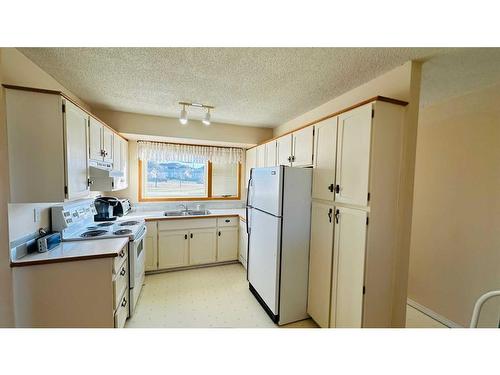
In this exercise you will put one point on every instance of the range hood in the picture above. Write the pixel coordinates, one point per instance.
(99, 169)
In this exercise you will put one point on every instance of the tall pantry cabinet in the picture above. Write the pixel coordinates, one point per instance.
(357, 168)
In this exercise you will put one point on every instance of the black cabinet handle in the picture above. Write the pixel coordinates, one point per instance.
(337, 189)
(185, 236)
(330, 188)
(337, 214)
(219, 233)
(122, 253)
(123, 272)
(227, 220)
(191, 235)
(330, 212)
(124, 302)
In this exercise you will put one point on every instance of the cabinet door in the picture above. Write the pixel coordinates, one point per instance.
(320, 263)
(284, 150)
(151, 262)
(250, 160)
(123, 162)
(107, 144)
(302, 155)
(202, 246)
(117, 156)
(349, 267)
(260, 156)
(270, 154)
(173, 249)
(77, 172)
(227, 244)
(325, 150)
(95, 139)
(353, 156)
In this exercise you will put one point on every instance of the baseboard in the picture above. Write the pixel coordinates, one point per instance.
(153, 272)
(434, 315)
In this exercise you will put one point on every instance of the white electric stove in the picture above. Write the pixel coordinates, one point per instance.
(75, 221)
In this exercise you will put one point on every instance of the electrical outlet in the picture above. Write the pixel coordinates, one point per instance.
(36, 215)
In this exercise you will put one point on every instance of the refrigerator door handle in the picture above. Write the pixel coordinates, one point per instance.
(248, 188)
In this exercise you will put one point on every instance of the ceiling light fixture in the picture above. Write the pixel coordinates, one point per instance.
(206, 119)
(183, 117)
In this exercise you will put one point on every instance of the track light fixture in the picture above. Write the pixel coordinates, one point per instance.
(183, 116)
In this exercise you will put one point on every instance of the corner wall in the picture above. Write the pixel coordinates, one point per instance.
(455, 243)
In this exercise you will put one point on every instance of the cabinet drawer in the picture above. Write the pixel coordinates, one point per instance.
(122, 257)
(186, 224)
(122, 312)
(120, 284)
(228, 221)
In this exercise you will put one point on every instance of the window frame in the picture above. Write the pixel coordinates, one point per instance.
(209, 196)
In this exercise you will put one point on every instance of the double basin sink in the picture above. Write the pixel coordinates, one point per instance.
(187, 213)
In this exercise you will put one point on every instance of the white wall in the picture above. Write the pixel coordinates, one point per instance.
(455, 243)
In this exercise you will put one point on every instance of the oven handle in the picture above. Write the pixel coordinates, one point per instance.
(143, 234)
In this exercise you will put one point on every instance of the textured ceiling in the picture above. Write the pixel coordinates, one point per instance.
(248, 86)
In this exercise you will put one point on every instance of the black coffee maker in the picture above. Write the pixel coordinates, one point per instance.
(104, 207)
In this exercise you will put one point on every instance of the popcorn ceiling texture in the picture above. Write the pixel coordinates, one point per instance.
(248, 86)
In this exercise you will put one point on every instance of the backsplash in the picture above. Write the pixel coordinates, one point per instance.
(164, 206)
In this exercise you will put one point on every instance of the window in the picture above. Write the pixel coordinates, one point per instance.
(186, 173)
(174, 179)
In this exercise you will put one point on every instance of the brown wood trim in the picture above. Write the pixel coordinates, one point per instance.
(65, 96)
(163, 218)
(140, 197)
(62, 260)
(375, 98)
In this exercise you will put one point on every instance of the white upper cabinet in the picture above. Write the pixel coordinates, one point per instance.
(302, 147)
(107, 144)
(325, 147)
(77, 172)
(353, 156)
(261, 156)
(284, 150)
(250, 162)
(95, 139)
(101, 141)
(47, 147)
(270, 148)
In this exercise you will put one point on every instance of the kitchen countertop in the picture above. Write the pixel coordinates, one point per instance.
(75, 250)
(159, 215)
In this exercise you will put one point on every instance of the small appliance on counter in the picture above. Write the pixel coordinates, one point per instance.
(110, 208)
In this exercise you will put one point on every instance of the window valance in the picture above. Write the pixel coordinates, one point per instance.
(160, 152)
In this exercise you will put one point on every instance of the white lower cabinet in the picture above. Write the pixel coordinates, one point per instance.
(202, 246)
(173, 249)
(320, 263)
(348, 268)
(151, 262)
(191, 242)
(227, 244)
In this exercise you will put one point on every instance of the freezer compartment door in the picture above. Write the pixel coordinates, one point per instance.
(265, 189)
(264, 257)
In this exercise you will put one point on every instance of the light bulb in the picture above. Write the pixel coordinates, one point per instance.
(206, 119)
(184, 116)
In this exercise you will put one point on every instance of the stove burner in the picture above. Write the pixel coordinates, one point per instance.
(122, 231)
(93, 233)
(105, 224)
(127, 223)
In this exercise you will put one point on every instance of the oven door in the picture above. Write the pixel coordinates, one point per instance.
(137, 254)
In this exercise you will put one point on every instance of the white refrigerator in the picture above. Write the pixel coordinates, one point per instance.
(278, 218)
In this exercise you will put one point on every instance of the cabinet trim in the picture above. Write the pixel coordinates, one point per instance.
(375, 98)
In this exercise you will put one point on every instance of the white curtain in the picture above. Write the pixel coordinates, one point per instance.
(161, 152)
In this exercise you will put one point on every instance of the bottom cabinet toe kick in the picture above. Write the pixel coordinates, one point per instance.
(88, 293)
(176, 244)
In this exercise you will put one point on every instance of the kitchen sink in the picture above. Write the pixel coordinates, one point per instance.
(187, 213)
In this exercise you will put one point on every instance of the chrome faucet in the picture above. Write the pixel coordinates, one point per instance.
(185, 207)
